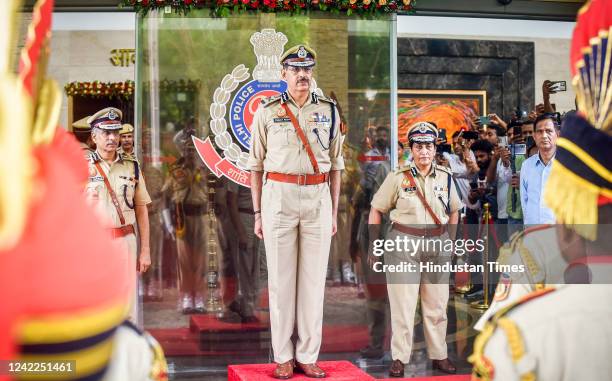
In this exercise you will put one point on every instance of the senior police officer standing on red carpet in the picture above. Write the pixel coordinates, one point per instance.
(296, 163)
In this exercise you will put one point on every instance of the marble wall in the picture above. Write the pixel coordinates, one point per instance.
(85, 56)
(550, 61)
(504, 69)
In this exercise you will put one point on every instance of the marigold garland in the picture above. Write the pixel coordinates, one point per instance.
(224, 8)
(125, 89)
(97, 89)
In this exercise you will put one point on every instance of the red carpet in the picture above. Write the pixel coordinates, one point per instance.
(336, 371)
(207, 337)
(456, 377)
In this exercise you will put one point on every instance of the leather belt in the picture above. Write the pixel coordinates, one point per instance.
(121, 231)
(194, 209)
(432, 232)
(310, 179)
(246, 210)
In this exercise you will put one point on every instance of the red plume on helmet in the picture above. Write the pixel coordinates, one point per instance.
(591, 57)
(580, 181)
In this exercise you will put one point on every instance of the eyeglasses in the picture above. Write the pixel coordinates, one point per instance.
(296, 70)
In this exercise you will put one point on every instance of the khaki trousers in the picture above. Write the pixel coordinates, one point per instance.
(191, 254)
(128, 245)
(247, 266)
(404, 290)
(297, 223)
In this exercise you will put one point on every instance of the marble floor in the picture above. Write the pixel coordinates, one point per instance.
(342, 306)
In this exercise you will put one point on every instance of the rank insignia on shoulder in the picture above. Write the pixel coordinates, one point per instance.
(503, 287)
(268, 101)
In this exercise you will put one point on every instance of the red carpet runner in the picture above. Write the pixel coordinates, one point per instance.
(336, 371)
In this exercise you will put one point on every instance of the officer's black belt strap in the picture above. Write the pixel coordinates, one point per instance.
(410, 178)
(111, 192)
(302, 137)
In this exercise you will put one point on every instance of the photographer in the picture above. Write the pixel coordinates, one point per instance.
(479, 194)
(500, 162)
(462, 161)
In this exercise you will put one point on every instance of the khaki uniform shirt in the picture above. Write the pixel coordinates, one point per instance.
(562, 335)
(276, 147)
(395, 195)
(155, 183)
(130, 192)
(129, 155)
(187, 185)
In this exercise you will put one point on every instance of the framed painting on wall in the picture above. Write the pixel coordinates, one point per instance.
(452, 110)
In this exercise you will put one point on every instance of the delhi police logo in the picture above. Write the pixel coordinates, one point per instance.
(245, 103)
(268, 46)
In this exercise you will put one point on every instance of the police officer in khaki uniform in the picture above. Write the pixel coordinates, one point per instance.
(82, 132)
(296, 155)
(117, 190)
(153, 278)
(240, 205)
(423, 202)
(127, 141)
(187, 193)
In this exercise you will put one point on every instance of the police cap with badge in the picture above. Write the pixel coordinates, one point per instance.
(422, 132)
(299, 56)
(126, 129)
(108, 119)
(81, 125)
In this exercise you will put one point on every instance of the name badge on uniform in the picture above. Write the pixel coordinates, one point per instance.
(281, 120)
(438, 188)
(96, 178)
(320, 120)
(410, 189)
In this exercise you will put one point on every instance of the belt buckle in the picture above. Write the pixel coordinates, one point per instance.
(300, 182)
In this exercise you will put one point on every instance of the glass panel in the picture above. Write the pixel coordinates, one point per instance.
(206, 294)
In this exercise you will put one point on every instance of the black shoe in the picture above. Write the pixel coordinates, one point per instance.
(397, 369)
(370, 352)
(234, 307)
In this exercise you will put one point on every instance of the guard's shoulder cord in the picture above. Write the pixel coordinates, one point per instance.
(484, 369)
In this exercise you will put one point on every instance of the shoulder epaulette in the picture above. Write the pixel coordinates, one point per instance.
(402, 169)
(94, 157)
(270, 100)
(444, 169)
(324, 98)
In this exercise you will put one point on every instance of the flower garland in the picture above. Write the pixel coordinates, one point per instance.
(125, 89)
(99, 89)
(224, 8)
(180, 86)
